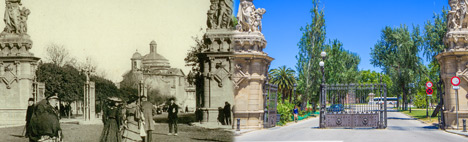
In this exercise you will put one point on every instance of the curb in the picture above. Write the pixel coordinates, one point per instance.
(457, 133)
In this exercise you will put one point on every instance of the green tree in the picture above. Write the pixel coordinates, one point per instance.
(195, 60)
(284, 78)
(66, 81)
(341, 66)
(397, 54)
(310, 45)
(434, 33)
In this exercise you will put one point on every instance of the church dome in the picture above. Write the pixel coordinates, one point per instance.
(153, 60)
(136, 56)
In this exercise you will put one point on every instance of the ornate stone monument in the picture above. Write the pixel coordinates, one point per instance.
(454, 62)
(17, 64)
(218, 67)
(251, 65)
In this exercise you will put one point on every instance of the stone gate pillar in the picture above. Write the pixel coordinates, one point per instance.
(17, 66)
(251, 64)
(454, 62)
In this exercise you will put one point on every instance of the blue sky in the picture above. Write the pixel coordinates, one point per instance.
(357, 24)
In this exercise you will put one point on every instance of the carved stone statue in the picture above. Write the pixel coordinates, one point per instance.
(15, 17)
(219, 15)
(212, 19)
(249, 18)
(453, 15)
(225, 12)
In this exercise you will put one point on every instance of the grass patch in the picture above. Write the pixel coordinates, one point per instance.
(421, 115)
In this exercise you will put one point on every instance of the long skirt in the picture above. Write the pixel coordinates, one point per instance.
(132, 133)
(111, 132)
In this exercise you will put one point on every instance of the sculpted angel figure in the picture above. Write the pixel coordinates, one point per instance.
(212, 15)
(454, 14)
(11, 17)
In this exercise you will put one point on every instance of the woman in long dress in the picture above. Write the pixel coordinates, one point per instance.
(132, 120)
(112, 119)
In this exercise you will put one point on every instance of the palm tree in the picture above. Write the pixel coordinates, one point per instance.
(284, 78)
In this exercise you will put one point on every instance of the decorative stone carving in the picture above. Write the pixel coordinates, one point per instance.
(249, 18)
(15, 17)
(219, 15)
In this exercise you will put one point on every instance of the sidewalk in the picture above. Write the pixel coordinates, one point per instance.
(458, 132)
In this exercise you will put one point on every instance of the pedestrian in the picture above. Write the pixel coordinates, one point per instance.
(227, 113)
(172, 116)
(148, 113)
(221, 115)
(112, 119)
(44, 123)
(199, 115)
(29, 113)
(296, 112)
(132, 122)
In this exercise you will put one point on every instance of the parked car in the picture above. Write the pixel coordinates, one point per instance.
(336, 108)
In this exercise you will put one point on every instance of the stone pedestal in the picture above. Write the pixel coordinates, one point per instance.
(252, 66)
(217, 69)
(17, 73)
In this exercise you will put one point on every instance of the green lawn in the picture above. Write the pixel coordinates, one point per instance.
(421, 114)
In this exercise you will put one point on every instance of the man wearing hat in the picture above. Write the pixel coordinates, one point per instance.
(45, 121)
(29, 113)
(172, 116)
(148, 112)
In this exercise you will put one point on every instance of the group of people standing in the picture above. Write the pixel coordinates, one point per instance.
(133, 121)
(42, 120)
(224, 114)
(123, 122)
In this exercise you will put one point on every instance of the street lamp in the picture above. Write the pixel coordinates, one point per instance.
(322, 95)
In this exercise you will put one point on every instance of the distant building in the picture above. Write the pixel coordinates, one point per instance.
(157, 76)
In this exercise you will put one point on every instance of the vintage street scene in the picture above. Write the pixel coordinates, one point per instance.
(233, 70)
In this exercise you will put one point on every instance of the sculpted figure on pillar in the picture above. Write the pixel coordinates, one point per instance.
(453, 14)
(249, 18)
(213, 15)
(457, 14)
(219, 15)
(225, 12)
(15, 17)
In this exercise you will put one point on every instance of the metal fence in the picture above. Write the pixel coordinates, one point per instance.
(354, 105)
(270, 95)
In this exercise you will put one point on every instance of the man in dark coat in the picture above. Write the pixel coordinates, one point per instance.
(45, 120)
(148, 112)
(227, 113)
(172, 116)
(29, 113)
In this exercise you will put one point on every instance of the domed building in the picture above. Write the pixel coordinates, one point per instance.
(157, 76)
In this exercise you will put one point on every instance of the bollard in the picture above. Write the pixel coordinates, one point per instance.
(464, 125)
(238, 124)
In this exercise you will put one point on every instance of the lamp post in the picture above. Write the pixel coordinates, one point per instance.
(322, 95)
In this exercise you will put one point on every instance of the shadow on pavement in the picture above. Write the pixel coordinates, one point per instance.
(19, 136)
(399, 118)
(210, 140)
(413, 128)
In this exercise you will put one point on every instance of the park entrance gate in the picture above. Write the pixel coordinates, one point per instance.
(353, 105)
(270, 95)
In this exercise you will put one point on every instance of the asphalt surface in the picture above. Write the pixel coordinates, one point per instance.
(401, 128)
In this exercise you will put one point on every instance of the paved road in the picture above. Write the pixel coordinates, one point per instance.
(400, 128)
